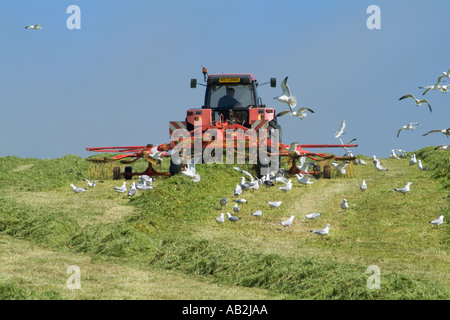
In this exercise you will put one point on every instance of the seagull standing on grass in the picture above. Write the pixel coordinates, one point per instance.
(361, 161)
(274, 204)
(403, 190)
(393, 155)
(257, 213)
(237, 190)
(313, 216)
(286, 96)
(344, 204)
(232, 218)
(363, 185)
(77, 189)
(223, 202)
(287, 187)
(220, 219)
(417, 101)
(122, 188)
(413, 159)
(438, 221)
(133, 190)
(378, 165)
(288, 222)
(236, 208)
(420, 165)
(322, 232)
(409, 126)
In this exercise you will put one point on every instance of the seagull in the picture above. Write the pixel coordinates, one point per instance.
(444, 89)
(288, 222)
(257, 213)
(444, 75)
(442, 147)
(144, 187)
(313, 216)
(348, 142)
(92, 184)
(232, 218)
(287, 97)
(304, 165)
(363, 185)
(428, 88)
(322, 232)
(77, 189)
(421, 167)
(237, 190)
(378, 165)
(223, 202)
(340, 132)
(443, 131)
(220, 219)
(438, 221)
(236, 208)
(301, 178)
(190, 170)
(344, 204)
(413, 159)
(361, 161)
(409, 126)
(292, 150)
(274, 204)
(287, 187)
(123, 188)
(403, 190)
(298, 113)
(34, 27)
(417, 101)
(240, 201)
(341, 167)
(133, 191)
(393, 155)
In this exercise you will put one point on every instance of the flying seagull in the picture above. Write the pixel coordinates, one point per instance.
(287, 97)
(340, 131)
(428, 88)
(34, 27)
(442, 147)
(190, 170)
(340, 167)
(409, 126)
(301, 178)
(403, 190)
(77, 189)
(438, 221)
(444, 75)
(92, 184)
(322, 232)
(417, 101)
(298, 113)
(443, 131)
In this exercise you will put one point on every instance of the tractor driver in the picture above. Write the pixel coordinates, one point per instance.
(228, 101)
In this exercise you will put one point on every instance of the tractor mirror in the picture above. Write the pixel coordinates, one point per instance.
(273, 82)
(193, 83)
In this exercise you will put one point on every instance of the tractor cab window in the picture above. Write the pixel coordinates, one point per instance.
(231, 96)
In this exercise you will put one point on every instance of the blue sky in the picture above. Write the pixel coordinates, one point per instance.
(125, 74)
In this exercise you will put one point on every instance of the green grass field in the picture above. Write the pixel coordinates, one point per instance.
(165, 243)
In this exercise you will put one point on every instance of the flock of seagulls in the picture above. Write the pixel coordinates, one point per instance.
(274, 178)
(144, 183)
(437, 86)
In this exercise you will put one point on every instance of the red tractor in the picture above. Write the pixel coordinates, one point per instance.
(231, 107)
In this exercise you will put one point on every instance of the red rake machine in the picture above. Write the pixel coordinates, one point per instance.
(232, 118)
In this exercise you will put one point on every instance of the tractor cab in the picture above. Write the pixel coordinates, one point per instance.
(231, 98)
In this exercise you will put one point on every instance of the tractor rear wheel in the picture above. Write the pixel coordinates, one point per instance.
(318, 172)
(128, 173)
(174, 168)
(327, 171)
(116, 173)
